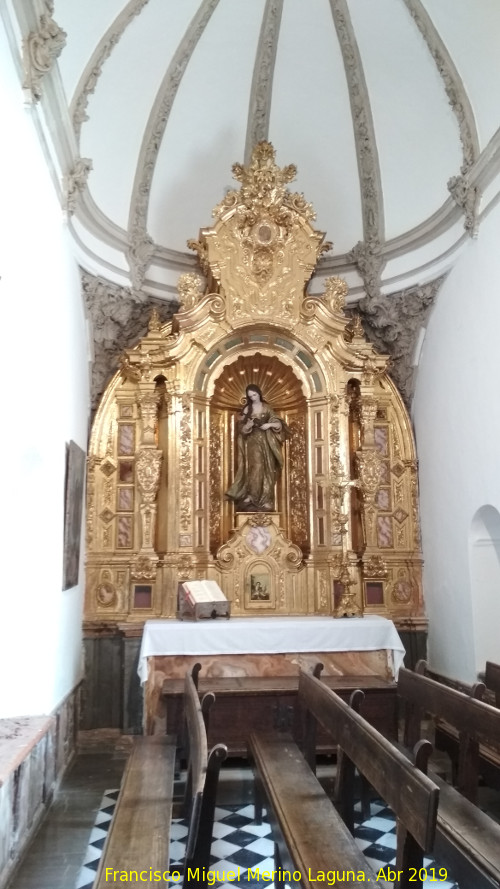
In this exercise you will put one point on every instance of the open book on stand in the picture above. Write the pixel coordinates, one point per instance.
(199, 599)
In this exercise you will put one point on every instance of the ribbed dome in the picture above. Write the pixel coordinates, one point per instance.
(389, 109)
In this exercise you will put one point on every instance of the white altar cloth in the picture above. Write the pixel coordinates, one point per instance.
(268, 635)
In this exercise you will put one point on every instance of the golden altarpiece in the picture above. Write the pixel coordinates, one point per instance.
(344, 537)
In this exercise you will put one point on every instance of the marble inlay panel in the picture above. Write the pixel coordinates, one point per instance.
(383, 499)
(126, 472)
(126, 444)
(385, 535)
(125, 499)
(381, 439)
(124, 532)
(384, 473)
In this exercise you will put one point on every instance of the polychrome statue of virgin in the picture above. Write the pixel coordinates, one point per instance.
(261, 433)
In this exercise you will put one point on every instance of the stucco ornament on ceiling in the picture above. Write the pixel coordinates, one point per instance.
(144, 104)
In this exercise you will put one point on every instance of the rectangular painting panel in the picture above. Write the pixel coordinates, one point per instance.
(73, 507)
(259, 592)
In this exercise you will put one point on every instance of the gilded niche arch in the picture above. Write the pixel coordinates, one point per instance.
(344, 536)
(283, 391)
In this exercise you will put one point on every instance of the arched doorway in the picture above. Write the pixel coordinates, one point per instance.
(484, 560)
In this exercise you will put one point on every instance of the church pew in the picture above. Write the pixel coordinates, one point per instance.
(475, 689)
(492, 680)
(446, 736)
(203, 767)
(138, 840)
(467, 840)
(310, 835)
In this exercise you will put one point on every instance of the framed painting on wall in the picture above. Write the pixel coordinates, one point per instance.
(74, 485)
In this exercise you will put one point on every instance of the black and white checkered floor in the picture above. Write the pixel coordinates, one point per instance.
(240, 843)
(97, 839)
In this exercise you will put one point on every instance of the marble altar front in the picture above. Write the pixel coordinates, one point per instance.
(368, 646)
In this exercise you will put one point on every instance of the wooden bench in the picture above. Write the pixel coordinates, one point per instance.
(447, 737)
(467, 840)
(138, 840)
(203, 767)
(310, 835)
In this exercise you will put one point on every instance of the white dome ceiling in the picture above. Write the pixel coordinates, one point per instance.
(389, 109)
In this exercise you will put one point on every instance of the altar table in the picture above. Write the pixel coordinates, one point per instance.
(268, 648)
(269, 635)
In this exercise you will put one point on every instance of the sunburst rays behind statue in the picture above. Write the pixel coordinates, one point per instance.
(278, 383)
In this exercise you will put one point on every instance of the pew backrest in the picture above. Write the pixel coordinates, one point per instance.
(405, 788)
(475, 690)
(476, 723)
(474, 718)
(203, 767)
(492, 680)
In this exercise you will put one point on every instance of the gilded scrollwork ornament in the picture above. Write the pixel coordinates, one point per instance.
(298, 486)
(294, 556)
(148, 404)
(335, 294)
(413, 467)
(373, 370)
(190, 288)
(370, 470)
(148, 465)
(259, 520)
(185, 465)
(105, 594)
(323, 597)
(200, 248)
(143, 567)
(185, 567)
(130, 371)
(367, 414)
(92, 465)
(263, 186)
(216, 442)
(154, 323)
(339, 485)
(402, 588)
(336, 563)
(375, 567)
(108, 491)
(357, 331)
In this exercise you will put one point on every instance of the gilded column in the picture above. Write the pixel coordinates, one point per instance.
(368, 460)
(343, 563)
(179, 531)
(148, 466)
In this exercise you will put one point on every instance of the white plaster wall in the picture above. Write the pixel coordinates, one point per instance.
(484, 550)
(457, 423)
(45, 403)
